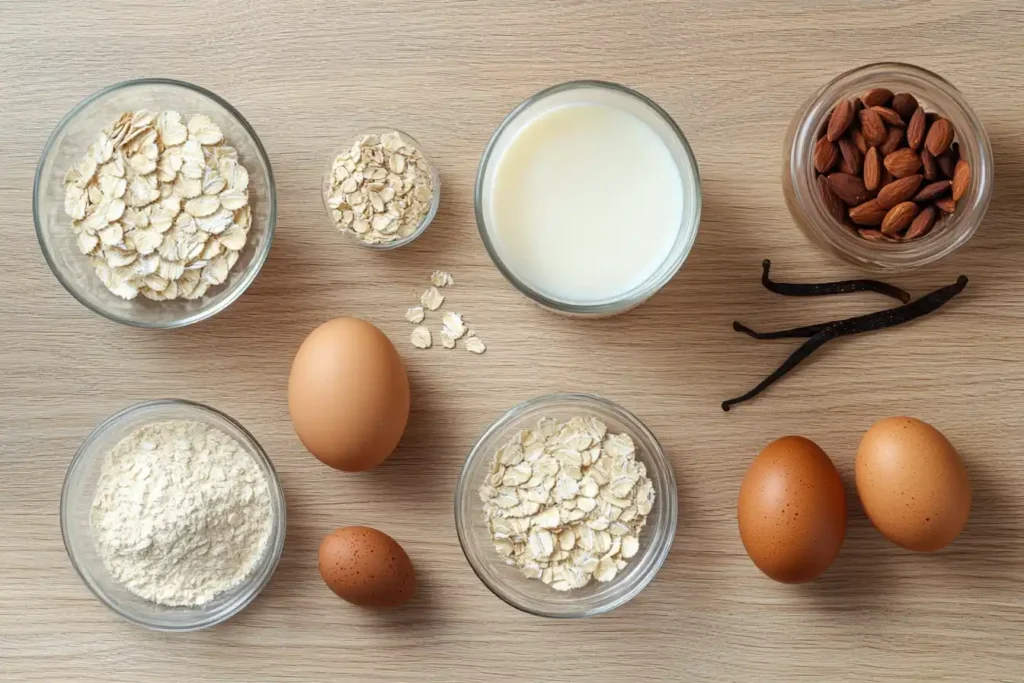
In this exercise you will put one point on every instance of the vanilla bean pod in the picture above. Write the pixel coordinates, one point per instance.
(841, 328)
(827, 288)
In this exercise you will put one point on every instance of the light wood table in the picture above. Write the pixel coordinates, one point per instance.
(308, 74)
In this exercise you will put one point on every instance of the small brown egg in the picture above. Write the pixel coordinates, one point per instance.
(348, 394)
(792, 510)
(366, 567)
(912, 483)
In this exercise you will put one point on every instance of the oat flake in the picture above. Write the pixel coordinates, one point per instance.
(565, 502)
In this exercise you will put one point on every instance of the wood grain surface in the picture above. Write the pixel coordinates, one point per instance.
(307, 74)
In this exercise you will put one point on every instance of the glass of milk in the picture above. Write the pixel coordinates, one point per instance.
(588, 198)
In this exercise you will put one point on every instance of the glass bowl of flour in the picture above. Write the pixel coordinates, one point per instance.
(173, 515)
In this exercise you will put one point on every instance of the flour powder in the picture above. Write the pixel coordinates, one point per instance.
(181, 514)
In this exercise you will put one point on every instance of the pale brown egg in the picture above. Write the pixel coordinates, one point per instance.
(792, 510)
(912, 484)
(366, 567)
(348, 394)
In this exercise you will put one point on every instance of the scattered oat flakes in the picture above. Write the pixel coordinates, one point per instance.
(475, 345)
(439, 278)
(565, 502)
(447, 340)
(415, 315)
(432, 299)
(160, 206)
(421, 338)
(453, 325)
(381, 189)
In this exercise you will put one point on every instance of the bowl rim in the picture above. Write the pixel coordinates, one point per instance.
(649, 288)
(657, 454)
(253, 447)
(259, 258)
(435, 200)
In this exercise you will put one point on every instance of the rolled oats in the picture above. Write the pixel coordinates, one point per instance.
(421, 338)
(415, 315)
(159, 205)
(475, 345)
(381, 189)
(432, 299)
(565, 502)
(439, 278)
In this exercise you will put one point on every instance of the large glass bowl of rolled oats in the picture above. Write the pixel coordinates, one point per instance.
(154, 203)
(567, 506)
(381, 189)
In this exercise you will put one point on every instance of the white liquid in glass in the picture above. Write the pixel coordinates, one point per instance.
(586, 203)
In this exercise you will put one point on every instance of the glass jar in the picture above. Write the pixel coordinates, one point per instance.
(616, 96)
(935, 94)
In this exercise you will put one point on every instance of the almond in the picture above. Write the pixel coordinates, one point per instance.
(940, 136)
(849, 188)
(872, 235)
(840, 120)
(905, 105)
(833, 204)
(868, 213)
(899, 218)
(889, 116)
(886, 176)
(872, 127)
(893, 140)
(961, 179)
(902, 162)
(872, 170)
(826, 154)
(922, 224)
(851, 156)
(858, 139)
(915, 129)
(947, 205)
(932, 191)
(899, 191)
(876, 97)
(929, 167)
(947, 163)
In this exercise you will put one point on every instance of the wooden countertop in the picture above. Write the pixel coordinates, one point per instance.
(306, 75)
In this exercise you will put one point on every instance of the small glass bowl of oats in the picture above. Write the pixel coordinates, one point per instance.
(381, 189)
(567, 506)
(154, 203)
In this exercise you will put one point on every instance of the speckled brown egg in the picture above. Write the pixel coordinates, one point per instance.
(366, 567)
(912, 484)
(792, 510)
(348, 394)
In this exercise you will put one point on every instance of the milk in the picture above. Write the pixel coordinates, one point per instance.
(586, 202)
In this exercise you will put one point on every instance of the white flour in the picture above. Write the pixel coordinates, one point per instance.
(182, 513)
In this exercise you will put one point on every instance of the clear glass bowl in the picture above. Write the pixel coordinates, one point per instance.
(435, 202)
(935, 94)
(616, 95)
(531, 595)
(69, 141)
(76, 502)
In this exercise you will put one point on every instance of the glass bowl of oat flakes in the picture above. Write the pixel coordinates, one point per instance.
(567, 506)
(381, 189)
(154, 203)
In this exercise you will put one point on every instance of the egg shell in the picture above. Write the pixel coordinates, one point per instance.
(366, 567)
(792, 510)
(912, 484)
(348, 394)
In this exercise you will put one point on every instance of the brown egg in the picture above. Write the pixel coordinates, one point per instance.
(348, 394)
(912, 484)
(366, 567)
(792, 510)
